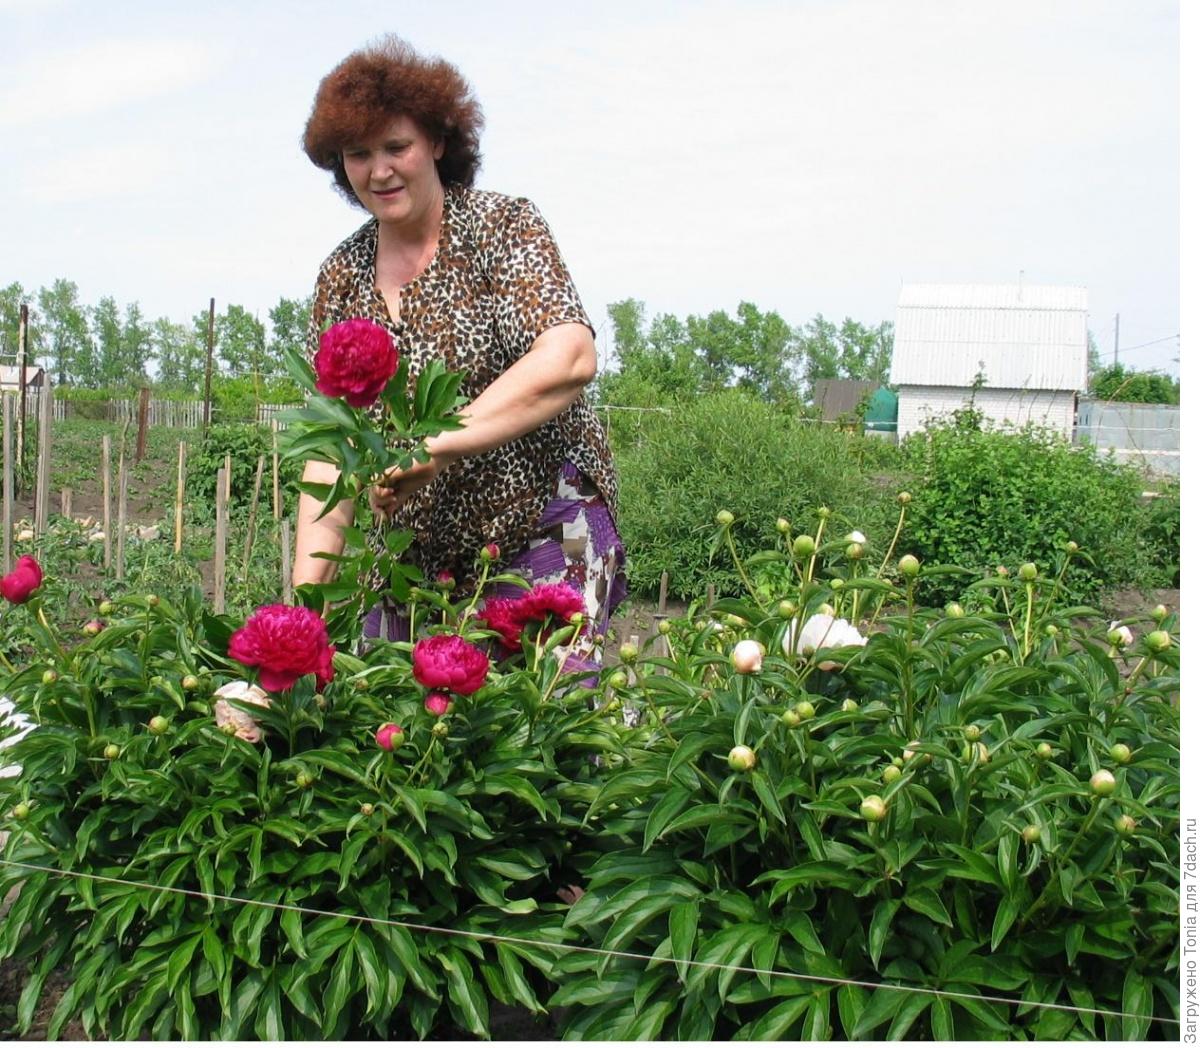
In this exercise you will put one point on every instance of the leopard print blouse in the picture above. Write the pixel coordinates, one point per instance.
(495, 283)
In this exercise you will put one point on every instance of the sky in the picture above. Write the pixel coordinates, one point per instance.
(807, 156)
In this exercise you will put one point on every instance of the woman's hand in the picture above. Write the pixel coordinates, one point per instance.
(396, 485)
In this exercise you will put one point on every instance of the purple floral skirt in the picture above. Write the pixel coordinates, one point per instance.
(574, 541)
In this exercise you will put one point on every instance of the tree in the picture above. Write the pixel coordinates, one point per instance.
(1140, 387)
(241, 343)
(137, 346)
(11, 298)
(852, 351)
(289, 327)
(67, 339)
(180, 354)
(106, 328)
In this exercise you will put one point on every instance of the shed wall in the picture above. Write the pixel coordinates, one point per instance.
(1007, 407)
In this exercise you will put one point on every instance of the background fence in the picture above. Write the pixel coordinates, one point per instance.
(174, 414)
(1146, 435)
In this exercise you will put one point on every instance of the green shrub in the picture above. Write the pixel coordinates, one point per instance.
(244, 443)
(732, 451)
(984, 498)
(1159, 533)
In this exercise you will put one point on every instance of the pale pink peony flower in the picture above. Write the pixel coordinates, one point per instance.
(748, 656)
(248, 727)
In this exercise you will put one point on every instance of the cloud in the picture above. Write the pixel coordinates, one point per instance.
(105, 74)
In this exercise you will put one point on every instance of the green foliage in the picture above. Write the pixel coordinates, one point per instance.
(243, 444)
(764, 894)
(730, 451)
(984, 498)
(851, 351)
(1144, 387)
(1158, 533)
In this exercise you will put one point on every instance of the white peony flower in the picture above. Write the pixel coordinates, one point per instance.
(822, 631)
(1123, 633)
(17, 723)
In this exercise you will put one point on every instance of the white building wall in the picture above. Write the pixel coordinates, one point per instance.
(1011, 408)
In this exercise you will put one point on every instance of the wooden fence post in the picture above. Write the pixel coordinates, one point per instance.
(285, 559)
(219, 546)
(22, 392)
(122, 512)
(64, 506)
(8, 480)
(106, 484)
(143, 422)
(228, 475)
(41, 503)
(251, 519)
(275, 507)
(179, 501)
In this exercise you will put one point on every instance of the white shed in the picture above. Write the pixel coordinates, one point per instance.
(1028, 341)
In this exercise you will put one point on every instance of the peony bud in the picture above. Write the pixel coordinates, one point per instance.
(1044, 751)
(1120, 753)
(954, 610)
(724, 518)
(790, 718)
(855, 551)
(438, 703)
(1124, 825)
(805, 710)
(112, 752)
(783, 525)
(909, 566)
(228, 728)
(152, 599)
(1103, 783)
(618, 679)
(1031, 834)
(787, 609)
(20, 811)
(736, 621)
(490, 553)
(664, 627)
(444, 580)
(1120, 636)
(1051, 630)
(890, 774)
(1072, 547)
(1159, 613)
(856, 538)
(741, 758)
(972, 733)
(1158, 641)
(106, 608)
(977, 750)
(628, 651)
(823, 512)
(190, 682)
(873, 808)
(849, 705)
(1027, 572)
(366, 809)
(389, 736)
(827, 609)
(303, 780)
(440, 729)
(93, 628)
(49, 677)
(159, 725)
(904, 498)
(804, 545)
(747, 656)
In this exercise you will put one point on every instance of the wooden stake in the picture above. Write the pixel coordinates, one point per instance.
(212, 311)
(219, 545)
(122, 512)
(710, 596)
(251, 520)
(143, 422)
(285, 559)
(22, 355)
(179, 501)
(8, 480)
(41, 503)
(228, 475)
(106, 483)
(65, 503)
(275, 507)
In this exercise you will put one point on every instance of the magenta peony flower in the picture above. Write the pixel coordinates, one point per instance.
(389, 736)
(356, 359)
(22, 582)
(448, 661)
(285, 643)
(508, 616)
(438, 703)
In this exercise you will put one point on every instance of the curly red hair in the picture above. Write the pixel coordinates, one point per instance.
(380, 82)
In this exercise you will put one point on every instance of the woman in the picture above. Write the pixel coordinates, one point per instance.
(475, 279)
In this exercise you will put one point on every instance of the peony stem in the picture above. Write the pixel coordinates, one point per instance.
(1028, 617)
(737, 563)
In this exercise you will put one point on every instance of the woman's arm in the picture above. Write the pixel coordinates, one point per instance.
(536, 388)
(319, 536)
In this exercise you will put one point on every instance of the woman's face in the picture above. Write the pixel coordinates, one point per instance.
(394, 176)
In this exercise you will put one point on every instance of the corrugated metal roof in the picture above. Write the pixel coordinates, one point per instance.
(1022, 336)
(840, 396)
